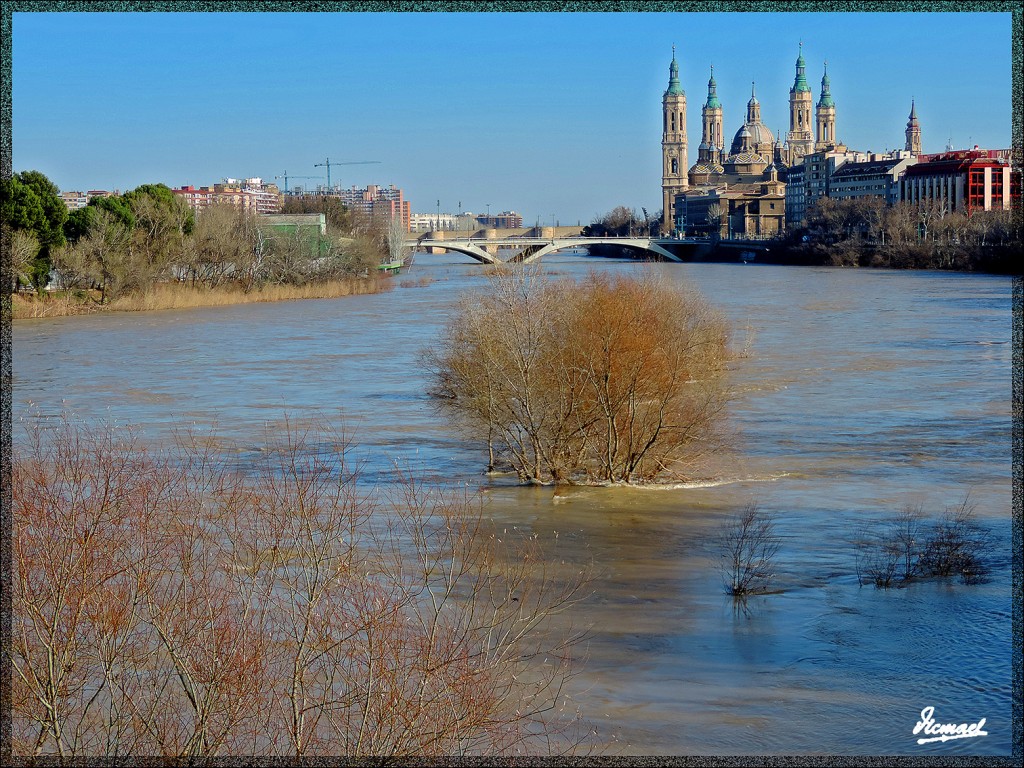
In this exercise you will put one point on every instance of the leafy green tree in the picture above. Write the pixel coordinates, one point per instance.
(32, 203)
(156, 204)
(117, 205)
(79, 222)
(55, 212)
(22, 208)
(162, 222)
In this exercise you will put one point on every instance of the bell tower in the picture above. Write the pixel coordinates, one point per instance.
(826, 116)
(913, 131)
(710, 150)
(800, 139)
(673, 145)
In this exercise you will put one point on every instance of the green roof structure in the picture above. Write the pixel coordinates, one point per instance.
(674, 87)
(800, 84)
(826, 94)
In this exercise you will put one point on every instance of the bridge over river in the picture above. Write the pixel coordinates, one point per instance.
(525, 249)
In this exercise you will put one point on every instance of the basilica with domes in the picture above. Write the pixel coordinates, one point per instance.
(749, 166)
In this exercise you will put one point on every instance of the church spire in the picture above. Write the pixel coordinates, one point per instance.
(826, 94)
(800, 138)
(710, 150)
(713, 101)
(753, 106)
(825, 116)
(674, 86)
(913, 131)
(800, 83)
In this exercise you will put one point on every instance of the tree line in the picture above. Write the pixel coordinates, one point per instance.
(126, 243)
(864, 231)
(623, 222)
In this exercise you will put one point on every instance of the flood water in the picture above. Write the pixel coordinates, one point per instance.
(863, 392)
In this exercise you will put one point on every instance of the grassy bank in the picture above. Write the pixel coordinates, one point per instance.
(178, 296)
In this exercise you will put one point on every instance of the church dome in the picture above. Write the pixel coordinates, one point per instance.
(755, 134)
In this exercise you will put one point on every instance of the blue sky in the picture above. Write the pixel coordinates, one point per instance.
(556, 116)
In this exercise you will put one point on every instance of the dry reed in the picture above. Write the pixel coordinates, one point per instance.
(178, 296)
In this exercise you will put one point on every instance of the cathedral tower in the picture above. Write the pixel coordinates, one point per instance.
(753, 107)
(800, 139)
(826, 116)
(673, 145)
(711, 142)
(913, 131)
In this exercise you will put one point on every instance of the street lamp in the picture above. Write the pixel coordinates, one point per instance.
(488, 214)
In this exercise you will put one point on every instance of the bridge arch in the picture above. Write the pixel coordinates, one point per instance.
(469, 249)
(647, 245)
(532, 249)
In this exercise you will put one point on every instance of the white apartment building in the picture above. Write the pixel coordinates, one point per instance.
(879, 176)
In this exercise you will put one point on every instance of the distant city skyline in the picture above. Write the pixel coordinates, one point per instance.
(553, 115)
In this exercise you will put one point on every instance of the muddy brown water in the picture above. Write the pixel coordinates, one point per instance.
(864, 391)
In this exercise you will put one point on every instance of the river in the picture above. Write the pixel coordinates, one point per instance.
(863, 391)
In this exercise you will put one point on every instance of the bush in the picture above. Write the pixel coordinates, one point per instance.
(956, 546)
(748, 546)
(908, 547)
(612, 380)
(165, 605)
(893, 551)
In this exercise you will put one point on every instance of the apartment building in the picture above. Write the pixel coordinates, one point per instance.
(964, 180)
(375, 201)
(503, 220)
(878, 176)
(248, 194)
(76, 200)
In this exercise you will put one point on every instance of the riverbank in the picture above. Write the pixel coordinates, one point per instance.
(178, 296)
(995, 259)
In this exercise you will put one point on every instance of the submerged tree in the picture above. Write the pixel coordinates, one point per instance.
(910, 546)
(610, 380)
(749, 545)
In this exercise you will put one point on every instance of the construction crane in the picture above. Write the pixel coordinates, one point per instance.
(353, 162)
(285, 177)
